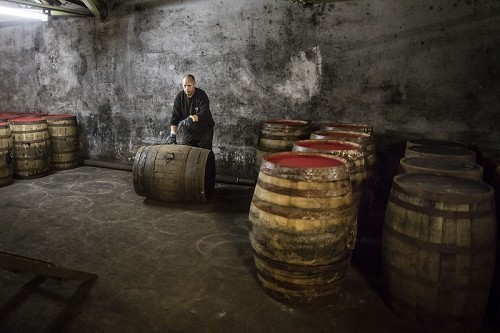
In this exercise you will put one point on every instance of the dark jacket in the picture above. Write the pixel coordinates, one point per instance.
(198, 104)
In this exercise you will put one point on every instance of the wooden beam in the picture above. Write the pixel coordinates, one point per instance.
(95, 7)
(15, 262)
(53, 8)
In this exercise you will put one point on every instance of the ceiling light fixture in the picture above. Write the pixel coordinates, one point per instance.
(23, 13)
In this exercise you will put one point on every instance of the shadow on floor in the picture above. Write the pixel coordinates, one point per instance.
(71, 305)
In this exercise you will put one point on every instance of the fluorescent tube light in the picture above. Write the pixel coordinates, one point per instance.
(23, 13)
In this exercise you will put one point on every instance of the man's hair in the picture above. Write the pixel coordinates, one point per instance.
(189, 76)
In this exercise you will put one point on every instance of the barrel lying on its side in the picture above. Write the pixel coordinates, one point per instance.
(174, 173)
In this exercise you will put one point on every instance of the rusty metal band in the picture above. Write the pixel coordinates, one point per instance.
(301, 213)
(468, 215)
(440, 248)
(314, 290)
(302, 193)
(335, 266)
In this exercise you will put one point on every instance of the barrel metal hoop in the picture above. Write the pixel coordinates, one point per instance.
(440, 248)
(302, 213)
(340, 263)
(335, 192)
(454, 199)
(431, 211)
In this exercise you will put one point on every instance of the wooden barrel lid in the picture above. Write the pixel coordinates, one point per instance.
(324, 134)
(441, 151)
(327, 145)
(441, 164)
(305, 166)
(434, 142)
(443, 188)
(292, 160)
(348, 126)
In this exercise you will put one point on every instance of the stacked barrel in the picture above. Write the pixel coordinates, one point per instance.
(311, 191)
(33, 144)
(63, 141)
(31, 147)
(6, 154)
(440, 237)
(362, 135)
(279, 135)
(355, 162)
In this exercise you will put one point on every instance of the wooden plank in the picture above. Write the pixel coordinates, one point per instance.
(15, 262)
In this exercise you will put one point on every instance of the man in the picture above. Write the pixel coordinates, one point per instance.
(191, 121)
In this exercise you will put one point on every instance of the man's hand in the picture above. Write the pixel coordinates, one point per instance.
(172, 139)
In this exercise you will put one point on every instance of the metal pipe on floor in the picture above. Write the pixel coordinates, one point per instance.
(108, 165)
(234, 180)
(128, 167)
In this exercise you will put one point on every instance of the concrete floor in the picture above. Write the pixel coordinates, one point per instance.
(161, 267)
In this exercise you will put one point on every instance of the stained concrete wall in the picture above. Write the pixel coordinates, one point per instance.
(409, 68)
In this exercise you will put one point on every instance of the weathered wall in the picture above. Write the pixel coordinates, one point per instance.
(409, 68)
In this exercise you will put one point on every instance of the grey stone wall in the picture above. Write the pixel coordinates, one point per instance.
(409, 68)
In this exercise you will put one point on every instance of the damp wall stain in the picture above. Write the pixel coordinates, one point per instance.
(426, 69)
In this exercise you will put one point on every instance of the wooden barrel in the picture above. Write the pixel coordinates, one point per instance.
(461, 154)
(31, 147)
(438, 250)
(353, 154)
(364, 139)
(6, 155)
(303, 226)
(434, 142)
(361, 128)
(277, 135)
(442, 166)
(63, 141)
(174, 173)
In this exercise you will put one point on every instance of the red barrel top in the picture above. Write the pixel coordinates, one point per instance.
(26, 119)
(294, 160)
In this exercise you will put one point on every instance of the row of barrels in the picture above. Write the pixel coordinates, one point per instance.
(311, 192)
(31, 145)
(439, 236)
(439, 239)
(353, 142)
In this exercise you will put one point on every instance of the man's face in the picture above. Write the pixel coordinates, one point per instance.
(188, 85)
